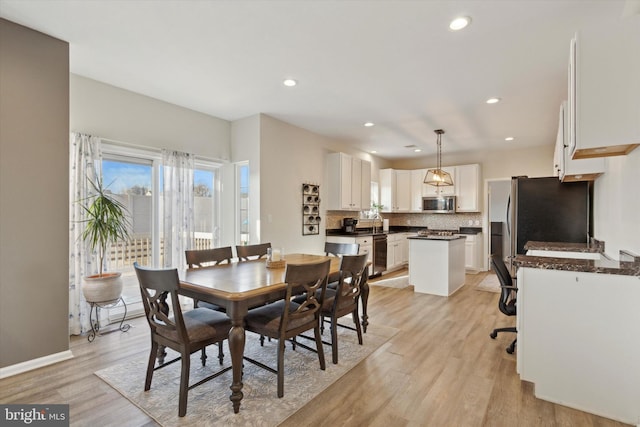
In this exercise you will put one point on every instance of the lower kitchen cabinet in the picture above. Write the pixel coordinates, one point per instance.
(397, 251)
(473, 252)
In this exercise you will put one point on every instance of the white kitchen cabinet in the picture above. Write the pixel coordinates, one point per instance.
(577, 340)
(448, 190)
(417, 183)
(397, 251)
(473, 251)
(395, 190)
(467, 188)
(604, 90)
(566, 168)
(349, 182)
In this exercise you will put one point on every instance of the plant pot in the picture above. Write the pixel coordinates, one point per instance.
(102, 289)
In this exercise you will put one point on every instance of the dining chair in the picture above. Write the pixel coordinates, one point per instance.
(507, 301)
(185, 333)
(206, 257)
(285, 319)
(335, 249)
(343, 299)
(249, 252)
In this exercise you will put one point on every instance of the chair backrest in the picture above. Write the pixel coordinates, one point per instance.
(310, 278)
(246, 252)
(155, 286)
(341, 248)
(352, 273)
(203, 257)
(507, 292)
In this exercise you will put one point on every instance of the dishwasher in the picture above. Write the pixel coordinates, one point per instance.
(379, 254)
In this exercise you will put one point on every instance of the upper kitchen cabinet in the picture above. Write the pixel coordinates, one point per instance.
(447, 190)
(467, 188)
(395, 190)
(417, 183)
(566, 168)
(604, 90)
(349, 182)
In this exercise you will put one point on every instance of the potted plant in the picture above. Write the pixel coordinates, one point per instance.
(107, 221)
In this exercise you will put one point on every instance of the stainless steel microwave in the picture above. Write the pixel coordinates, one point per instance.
(442, 204)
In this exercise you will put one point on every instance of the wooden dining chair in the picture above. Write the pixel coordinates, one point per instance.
(207, 257)
(336, 249)
(344, 299)
(285, 319)
(249, 252)
(185, 333)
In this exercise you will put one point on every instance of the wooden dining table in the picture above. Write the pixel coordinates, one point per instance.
(240, 286)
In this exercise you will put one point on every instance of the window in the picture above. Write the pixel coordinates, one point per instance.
(134, 176)
(242, 173)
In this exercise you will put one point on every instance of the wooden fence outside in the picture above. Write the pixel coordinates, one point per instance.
(125, 253)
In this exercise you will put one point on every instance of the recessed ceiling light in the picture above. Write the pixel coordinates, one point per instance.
(417, 150)
(459, 23)
(373, 151)
(369, 124)
(493, 100)
(289, 82)
(509, 138)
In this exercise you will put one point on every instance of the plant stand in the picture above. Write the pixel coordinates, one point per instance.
(95, 325)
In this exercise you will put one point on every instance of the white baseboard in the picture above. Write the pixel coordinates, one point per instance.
(29, 365)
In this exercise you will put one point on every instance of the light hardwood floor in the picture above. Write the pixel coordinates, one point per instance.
(441, 369)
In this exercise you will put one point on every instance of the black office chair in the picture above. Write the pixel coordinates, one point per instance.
(507, 301)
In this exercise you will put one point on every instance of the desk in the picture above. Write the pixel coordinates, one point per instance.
(240, 286)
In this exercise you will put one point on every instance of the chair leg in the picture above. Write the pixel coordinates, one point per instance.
(334, 340)
(220, 352)
(203, 356)
(281, 367)
(151, 365)
(316, 332)
(356, 320)
(512, 347)
(184, 383)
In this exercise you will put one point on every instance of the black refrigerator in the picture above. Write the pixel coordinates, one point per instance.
(547, 210)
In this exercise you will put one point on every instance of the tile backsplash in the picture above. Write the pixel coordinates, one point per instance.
(433, 221)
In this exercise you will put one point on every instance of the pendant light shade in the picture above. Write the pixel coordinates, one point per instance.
(437, 177)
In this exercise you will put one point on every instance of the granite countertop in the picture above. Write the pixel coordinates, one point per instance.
(595, 247)
(604, 265)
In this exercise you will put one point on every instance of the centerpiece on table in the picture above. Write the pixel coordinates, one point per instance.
(107, 221)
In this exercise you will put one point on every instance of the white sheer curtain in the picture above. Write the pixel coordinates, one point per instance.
(178, 215)
(85, 160)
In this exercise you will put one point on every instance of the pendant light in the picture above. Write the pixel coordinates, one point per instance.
(437, 177)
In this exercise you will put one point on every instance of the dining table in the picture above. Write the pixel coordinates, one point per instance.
(239, 286)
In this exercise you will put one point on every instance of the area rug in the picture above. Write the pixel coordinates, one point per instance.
(394, 282)
(209, 404)
(489, 284)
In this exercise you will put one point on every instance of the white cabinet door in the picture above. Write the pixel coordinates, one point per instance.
(467, 185)
(347, 179)
(387, 179)
(433, 191)
(417, 182)
(403, 190)
(604, 89)
(365, 185)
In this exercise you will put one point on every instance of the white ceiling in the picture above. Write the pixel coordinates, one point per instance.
(394, 63)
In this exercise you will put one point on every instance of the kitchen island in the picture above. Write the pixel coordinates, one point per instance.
(436, 264)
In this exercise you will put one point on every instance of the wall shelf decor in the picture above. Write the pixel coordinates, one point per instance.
(310, 209)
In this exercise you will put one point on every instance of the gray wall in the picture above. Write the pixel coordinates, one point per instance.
(34, 201)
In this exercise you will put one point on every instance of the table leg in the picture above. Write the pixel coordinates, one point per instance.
(364, 294)
(236, 347)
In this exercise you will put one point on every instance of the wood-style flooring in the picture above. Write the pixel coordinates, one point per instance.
(441, 369)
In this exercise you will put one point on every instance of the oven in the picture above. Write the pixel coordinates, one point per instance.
(379, 254)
